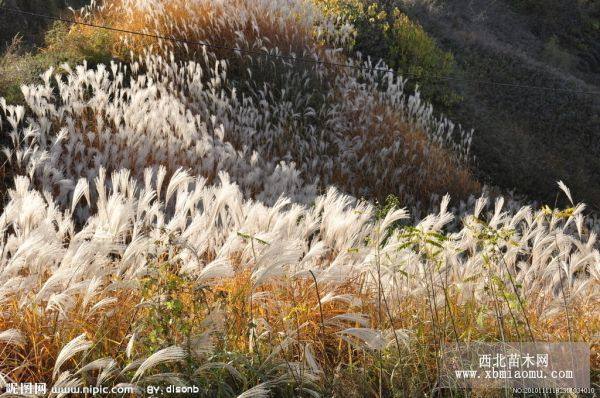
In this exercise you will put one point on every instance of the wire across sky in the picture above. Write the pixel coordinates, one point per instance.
(284, 57)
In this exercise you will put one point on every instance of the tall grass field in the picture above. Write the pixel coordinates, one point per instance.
(195, 212)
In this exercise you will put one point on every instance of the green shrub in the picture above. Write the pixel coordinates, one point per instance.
(71, 46)
(414, 52)
(31, 29)
(19, 67)
(383, 31)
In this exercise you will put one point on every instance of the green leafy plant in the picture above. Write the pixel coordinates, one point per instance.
(20, 66)
(384, 31)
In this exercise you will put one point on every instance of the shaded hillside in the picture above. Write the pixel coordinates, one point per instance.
(32, 30)
(525, 138)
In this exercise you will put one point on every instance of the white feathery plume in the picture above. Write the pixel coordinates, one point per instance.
(393, 216)
(91, 290)
(130, 344)
(179, 179)
(309, 357)
(317, 250)
(219, 268)
(101, 304)
(4, 380)
(96, 365)
(201, 345)
(107, 372)
(273, 260)
(361, 319)
(566, 190)
(371, 338)
(259, 391)
(579, 224)
(12, 337)
(81, 189)
(160, 176)
(73, 347)
(479, 205)
(132, 366)
(169, 354)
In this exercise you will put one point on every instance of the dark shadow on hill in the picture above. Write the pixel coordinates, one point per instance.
(525, 138)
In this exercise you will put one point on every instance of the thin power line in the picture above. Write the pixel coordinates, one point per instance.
(284, 57)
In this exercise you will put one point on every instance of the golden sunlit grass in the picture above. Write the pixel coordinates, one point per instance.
(45, 333)
(290, 307)
(239, 24)
(414, 170)
(426, 168)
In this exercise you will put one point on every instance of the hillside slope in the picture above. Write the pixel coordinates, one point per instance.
(30, 29)
(526, 138)
(180, 216)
